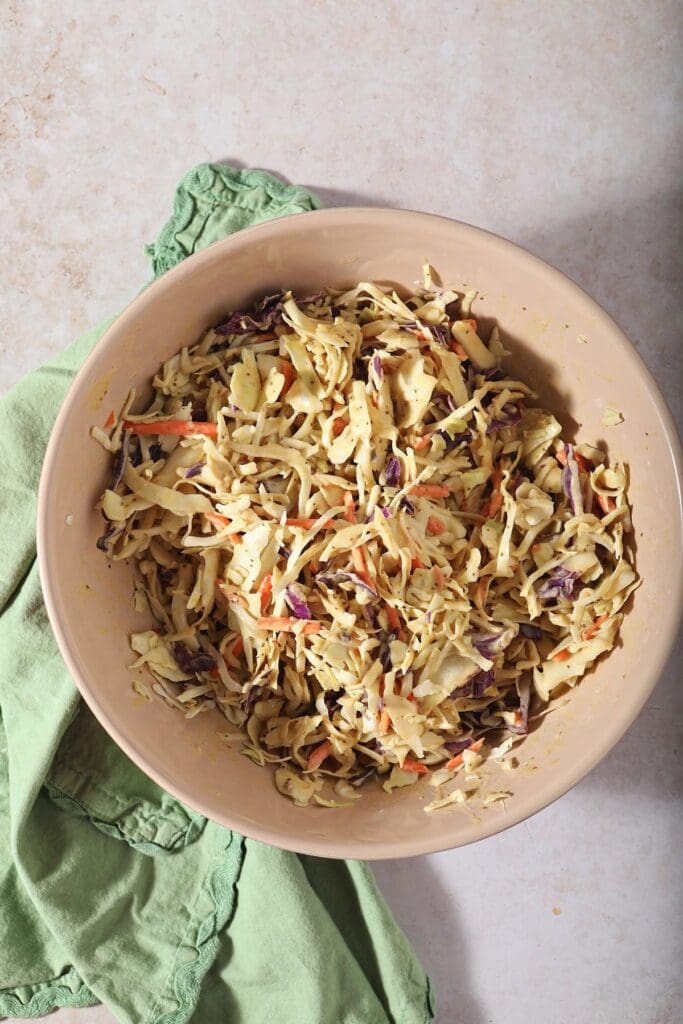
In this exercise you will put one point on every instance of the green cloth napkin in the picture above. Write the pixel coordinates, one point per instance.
(111, 890)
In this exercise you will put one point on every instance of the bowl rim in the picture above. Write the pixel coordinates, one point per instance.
(411, 846)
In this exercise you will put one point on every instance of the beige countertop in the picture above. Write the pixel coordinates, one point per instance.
(555, 124)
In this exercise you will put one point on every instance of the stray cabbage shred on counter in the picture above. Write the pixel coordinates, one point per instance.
(360, 541)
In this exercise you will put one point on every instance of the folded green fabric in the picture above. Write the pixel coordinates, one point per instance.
(110, 889)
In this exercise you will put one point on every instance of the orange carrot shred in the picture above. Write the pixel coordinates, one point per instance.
(339, 425)
(289, 373)
(420, 443)
(281, 622)
(435, 526)
(606, 504)
(384, 723)
(562, 655)
(110, 421)
(265, 590)
(217, 519)
(459, 351)
(318, 755)
(430, 490)
(394, 621)
(308, 524)
(411, 765)
(472, 323)
(438, 577)
(235, 538)
(416, 563)
(456, 761)
(350, 513)
(175, 428)
(589, 632)
(238, 647)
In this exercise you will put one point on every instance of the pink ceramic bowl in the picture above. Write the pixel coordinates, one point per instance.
(562, 342)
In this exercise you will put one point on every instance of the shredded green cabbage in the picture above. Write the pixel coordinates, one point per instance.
(368, 559)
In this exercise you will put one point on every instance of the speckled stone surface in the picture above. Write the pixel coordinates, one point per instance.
(555, 124)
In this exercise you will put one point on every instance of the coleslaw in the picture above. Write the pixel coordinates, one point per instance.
(360, 541)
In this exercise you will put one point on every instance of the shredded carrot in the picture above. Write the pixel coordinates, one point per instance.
(562, 655)
(110, 421)
(580, 461)
(358, 558)
(435, 526)
(361, 566)
(411, 765)
(289, 373)
(606, 504)
(175, 428)
(217, 519)
(394, 621)
(438, 577)
(338, 425)
(215, 672)
(416, 563)
(317, 756)
(307, 524)
(235, 538)
(238, 647)
(384, 723)
(265, 590)
(495, 502)
(456, 761)
(350, 513)
(589, 632)
(420, 443)
(430, 491)
(459, 351)
(472, 323)
(281, 622)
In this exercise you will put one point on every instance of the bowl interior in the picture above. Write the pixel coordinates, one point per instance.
(561, 342)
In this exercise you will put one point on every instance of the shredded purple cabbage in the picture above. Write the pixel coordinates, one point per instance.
(370, 616)
(296, 600)
(530, 632)
(561, 582)
(120, 461)
(441, 334)
(332, 579)
(476, 685)
(571, 482)
(331, 699)
(392, 473)
(377, 367)
(493, 373)
(253, 694)
(194, 470)
(386, 512)
(156, 452)
(490, 644)
(457, 746)
(192, 663)
(103, 543)
(263, 317)
(456, 440)
(509, 417)
(407, 505)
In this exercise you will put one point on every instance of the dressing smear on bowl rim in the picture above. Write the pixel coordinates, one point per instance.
(361, 543)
